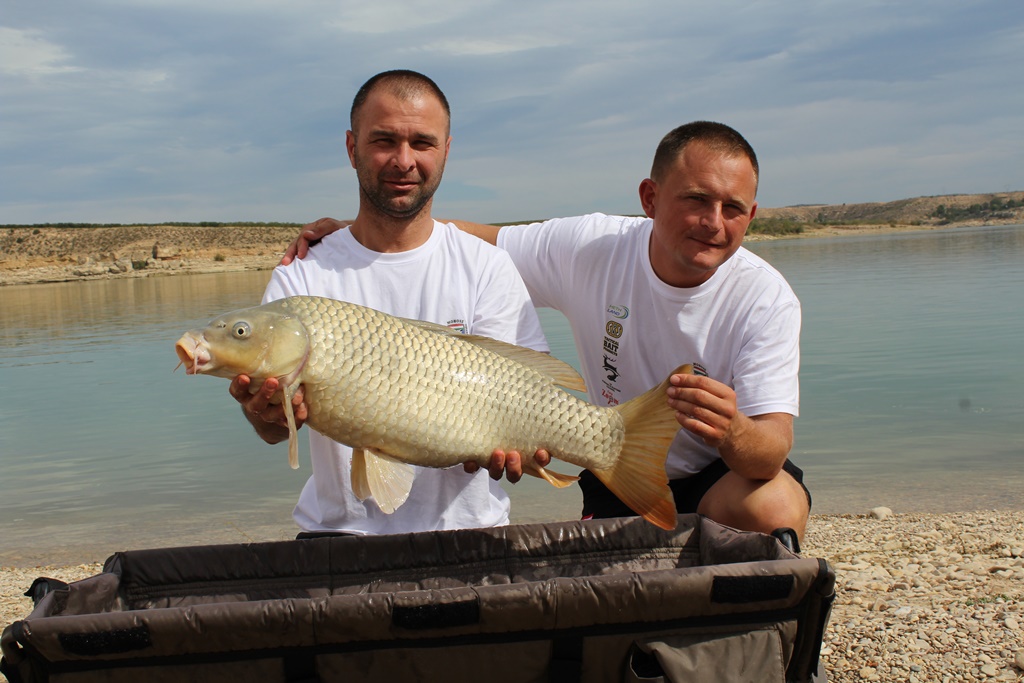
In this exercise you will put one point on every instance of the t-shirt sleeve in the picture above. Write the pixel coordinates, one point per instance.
(767, 370)
(285, 281)
(504, 310)
(543, 254)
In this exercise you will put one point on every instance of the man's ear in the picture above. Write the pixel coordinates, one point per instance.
(350, 147)
(648, 190)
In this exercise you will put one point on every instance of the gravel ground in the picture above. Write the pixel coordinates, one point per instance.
(920, 597)
(933, 597)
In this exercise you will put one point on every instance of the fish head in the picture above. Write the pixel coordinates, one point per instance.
(257, 342)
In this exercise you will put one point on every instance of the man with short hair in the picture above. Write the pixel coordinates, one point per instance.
(645, 294)
(397, 259)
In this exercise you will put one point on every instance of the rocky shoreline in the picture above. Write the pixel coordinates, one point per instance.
(933, 598)
(38, 255)
(58, 254)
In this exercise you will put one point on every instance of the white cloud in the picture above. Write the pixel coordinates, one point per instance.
(27, 54)
(397, 16)
(201, 111)
(496, 46)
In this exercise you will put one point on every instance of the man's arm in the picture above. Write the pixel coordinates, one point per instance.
(312, 233)
(488, 233)
(754, 447)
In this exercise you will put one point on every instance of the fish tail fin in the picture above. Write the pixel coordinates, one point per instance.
(638, 477)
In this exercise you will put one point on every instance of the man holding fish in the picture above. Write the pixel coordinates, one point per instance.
(396, 258)
(645, 294)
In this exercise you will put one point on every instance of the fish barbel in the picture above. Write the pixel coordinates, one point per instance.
(405, 392)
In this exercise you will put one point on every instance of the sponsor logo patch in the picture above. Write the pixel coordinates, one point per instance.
(620, 312)
(458, 325)
(613, 329)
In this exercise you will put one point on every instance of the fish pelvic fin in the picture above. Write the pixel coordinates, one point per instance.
(386, 479)
(360, 486)
(638, 477)
(556, 479)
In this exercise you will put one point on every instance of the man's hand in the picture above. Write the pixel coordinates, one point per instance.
(510, 464)
(703, 406)
(310, 235)
(754, 447)
(268, 419)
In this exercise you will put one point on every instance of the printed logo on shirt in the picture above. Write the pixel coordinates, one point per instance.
(458, 325)
(610, 346)
(611, 371)
(620, 312)
(699, 369)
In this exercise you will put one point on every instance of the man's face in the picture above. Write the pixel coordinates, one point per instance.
(701, 209)
(398, 148)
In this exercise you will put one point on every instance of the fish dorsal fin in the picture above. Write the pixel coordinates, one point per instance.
(386, 479)
(561, 373)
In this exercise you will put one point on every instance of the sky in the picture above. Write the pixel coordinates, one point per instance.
(136, 111)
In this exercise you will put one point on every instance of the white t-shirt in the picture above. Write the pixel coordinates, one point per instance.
(453, 279)
(631, 329)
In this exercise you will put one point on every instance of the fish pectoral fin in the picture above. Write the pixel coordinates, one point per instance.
(388, 480)
(556, 479)
(293, 436)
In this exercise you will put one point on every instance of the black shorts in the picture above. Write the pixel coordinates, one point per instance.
(600, 503)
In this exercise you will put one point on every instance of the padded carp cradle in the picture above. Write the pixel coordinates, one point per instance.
(602, 600)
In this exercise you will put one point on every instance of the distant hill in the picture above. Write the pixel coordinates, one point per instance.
(64, 251)
(955, 209)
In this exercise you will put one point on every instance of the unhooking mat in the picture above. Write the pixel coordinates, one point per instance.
(600, 600)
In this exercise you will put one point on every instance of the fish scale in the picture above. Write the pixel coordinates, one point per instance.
(403, 392)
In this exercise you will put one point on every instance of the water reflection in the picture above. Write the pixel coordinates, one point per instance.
(109, 308)
(910, 387)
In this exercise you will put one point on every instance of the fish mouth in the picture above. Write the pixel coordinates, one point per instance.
(192, 354)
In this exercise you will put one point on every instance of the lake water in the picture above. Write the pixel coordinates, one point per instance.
(911, 398)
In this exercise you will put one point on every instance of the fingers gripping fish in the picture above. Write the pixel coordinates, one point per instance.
(404, 392)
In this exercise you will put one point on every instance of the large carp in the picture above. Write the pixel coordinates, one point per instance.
(404, 392)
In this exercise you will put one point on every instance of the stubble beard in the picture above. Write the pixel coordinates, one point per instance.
(398, 207)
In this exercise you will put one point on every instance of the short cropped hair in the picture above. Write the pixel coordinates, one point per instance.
(403, 84)
(717, 136)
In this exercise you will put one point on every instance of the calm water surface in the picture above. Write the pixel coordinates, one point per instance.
(911, 398)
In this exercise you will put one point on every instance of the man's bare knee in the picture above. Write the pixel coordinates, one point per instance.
(757, 505)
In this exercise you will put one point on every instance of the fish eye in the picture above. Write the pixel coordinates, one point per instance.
(240, 330)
